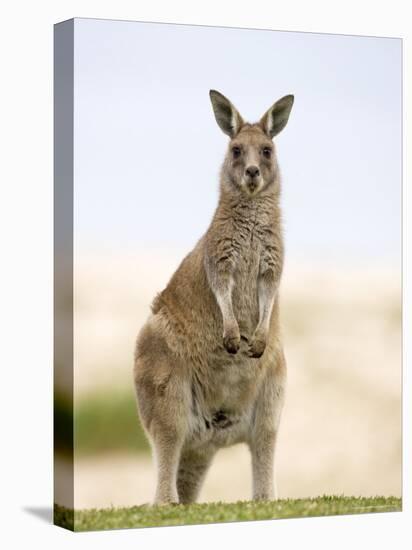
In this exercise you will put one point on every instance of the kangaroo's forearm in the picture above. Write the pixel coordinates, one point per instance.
(267, 290)
(270, 271)
(220, 276)
(267, 286)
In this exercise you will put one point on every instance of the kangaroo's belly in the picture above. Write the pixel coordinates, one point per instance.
(223, 430)
(223, 403)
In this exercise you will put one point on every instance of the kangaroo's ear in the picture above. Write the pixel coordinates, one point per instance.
(226, 114)
(275, 118)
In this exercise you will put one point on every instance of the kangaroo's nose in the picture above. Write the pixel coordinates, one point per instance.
(252, 171)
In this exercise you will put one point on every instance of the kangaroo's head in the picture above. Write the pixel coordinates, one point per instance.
(250, 165)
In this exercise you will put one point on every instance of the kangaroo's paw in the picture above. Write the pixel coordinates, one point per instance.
(231, 343)
(257, 347)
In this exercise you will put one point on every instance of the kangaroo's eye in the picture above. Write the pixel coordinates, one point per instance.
(267, 151)
(236, 152)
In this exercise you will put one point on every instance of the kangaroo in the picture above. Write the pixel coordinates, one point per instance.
(209, 367)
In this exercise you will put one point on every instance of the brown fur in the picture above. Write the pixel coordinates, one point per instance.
(209, 366)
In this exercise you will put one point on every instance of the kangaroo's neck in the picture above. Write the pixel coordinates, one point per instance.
(239, 205)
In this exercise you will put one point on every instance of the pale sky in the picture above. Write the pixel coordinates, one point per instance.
(148, 149)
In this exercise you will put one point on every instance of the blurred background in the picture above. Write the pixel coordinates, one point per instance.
(143, 126)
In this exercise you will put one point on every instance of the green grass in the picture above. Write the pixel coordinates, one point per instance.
(153, 516)
(102, 422)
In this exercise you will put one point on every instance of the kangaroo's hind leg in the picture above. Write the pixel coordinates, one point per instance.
(264, 430)
(167, 443)
(192, 471)
(163, 395)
